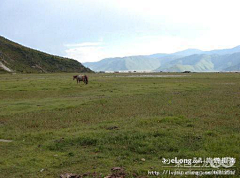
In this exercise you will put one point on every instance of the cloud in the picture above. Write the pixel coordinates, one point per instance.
(149, 44)
(86, 52)
(128, 28)
(86, 44)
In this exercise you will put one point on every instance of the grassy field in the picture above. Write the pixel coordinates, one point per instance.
(57, 126)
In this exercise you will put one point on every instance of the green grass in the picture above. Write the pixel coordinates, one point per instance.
(59, 126)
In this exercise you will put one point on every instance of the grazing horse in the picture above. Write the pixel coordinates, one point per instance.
(79, 78)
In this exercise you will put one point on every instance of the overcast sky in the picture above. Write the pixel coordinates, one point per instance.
(90, 30)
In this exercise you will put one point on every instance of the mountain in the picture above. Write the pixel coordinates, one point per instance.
(233, 68)
(191, 59)
(224, 51)
(138, 63)
(188, 52)
(203, 63)
(17, 58)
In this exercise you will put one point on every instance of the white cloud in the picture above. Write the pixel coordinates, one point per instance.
(85, 52)
(146, 45)
(203, 23)
(86, 44)
(173, 25)
(128, 27)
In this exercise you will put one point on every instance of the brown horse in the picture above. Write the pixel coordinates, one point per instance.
(79, 78)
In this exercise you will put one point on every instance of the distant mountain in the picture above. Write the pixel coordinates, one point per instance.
(17, 58)
(126, 63)
(188, 52)
(224, 51)
(190, 59)
(138, 63)
(194, 62)
(203, 63)
(233, 68)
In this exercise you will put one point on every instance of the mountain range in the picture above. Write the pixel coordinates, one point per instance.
(17, 58)
(20, 59)
(194, 60)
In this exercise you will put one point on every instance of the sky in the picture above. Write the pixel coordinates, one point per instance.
(90, 30)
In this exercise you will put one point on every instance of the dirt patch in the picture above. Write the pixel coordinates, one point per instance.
(5, 67)
(7, 141)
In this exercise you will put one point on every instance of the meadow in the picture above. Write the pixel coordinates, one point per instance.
(117, 120)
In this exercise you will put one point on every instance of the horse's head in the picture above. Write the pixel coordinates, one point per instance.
(74, 77)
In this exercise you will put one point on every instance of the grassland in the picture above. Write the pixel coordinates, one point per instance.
(58, 126)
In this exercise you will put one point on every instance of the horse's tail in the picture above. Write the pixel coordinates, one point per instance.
(86, 79)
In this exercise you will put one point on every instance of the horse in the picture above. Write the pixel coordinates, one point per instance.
(79, 78)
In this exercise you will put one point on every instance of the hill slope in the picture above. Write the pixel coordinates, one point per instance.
(17, 58)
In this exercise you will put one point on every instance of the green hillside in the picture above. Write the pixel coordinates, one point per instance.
(17, 58)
